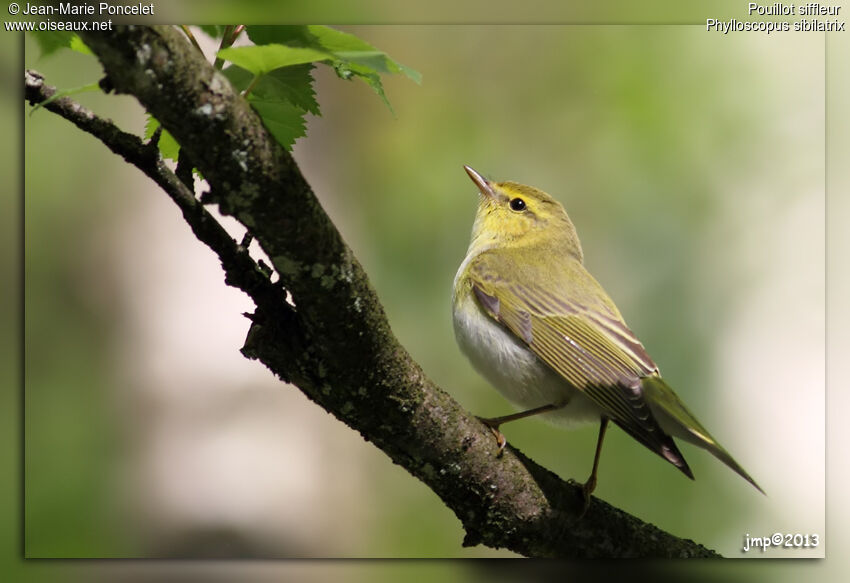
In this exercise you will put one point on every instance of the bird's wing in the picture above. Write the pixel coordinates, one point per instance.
(588, 345)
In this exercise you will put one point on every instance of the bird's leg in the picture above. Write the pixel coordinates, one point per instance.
(494, 422)
(590, 485)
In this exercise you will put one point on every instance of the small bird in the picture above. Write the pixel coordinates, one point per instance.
(541, 329)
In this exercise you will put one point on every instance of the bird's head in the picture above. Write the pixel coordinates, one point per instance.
(515, 215)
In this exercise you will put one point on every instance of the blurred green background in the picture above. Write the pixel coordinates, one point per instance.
(693, 167)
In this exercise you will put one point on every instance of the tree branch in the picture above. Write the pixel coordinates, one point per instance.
(335, 343)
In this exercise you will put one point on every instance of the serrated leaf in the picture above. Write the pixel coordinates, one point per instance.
(238, 77)
(262, 59)
(312, 36)
(168, 146)
(344, 46)
(375, 60)
(411, 74)
(348, 47)
(295, 84)
(78, 45)
(352, 57)
(283, 120)
(290, 35)
(51, 41)
(373, 80)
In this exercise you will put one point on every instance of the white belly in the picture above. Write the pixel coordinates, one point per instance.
(510, 366)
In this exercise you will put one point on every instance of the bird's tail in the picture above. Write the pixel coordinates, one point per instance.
(675, 419)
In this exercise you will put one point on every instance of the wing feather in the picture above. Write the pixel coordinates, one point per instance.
(589, 346)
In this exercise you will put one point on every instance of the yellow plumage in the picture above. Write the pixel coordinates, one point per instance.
(542, 330)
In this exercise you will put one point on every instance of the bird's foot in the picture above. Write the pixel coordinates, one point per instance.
(586, 490)
(493, 424)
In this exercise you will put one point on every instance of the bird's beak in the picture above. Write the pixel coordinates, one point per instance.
(481, 182)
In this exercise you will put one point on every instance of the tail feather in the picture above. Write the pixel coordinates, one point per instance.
(675, 419)
(663, 445)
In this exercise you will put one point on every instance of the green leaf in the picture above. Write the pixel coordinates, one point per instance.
(51, 41)
(344, 46)
(283, 120)
(238, 77)
(295, 84)
(280, 86)
(78, 45)
(375, 60)
(281, 98)
(348, 47)
(352, 57)
(315, 36)
(262, 59)
(168, 146)
(411, 74)
(372, 79)
(290, 35)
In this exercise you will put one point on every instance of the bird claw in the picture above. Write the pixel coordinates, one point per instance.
(500, 439)
(586, 490)
(589, 486)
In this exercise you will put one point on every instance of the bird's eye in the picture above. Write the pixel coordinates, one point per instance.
(517, 204)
